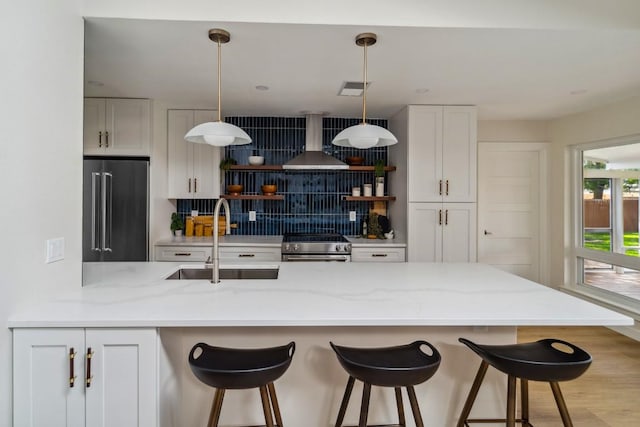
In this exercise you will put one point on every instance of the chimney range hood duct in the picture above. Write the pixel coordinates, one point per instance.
(313, 157)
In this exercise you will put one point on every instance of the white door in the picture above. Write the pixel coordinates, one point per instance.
(512, 207)
(122, 391)
(43, 367)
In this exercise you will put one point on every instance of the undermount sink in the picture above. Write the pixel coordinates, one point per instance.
(225, 273)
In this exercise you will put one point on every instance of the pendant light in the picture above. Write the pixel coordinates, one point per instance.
(365, 135)
(218, 133)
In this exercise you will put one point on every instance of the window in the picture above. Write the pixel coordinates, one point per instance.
(607, 244)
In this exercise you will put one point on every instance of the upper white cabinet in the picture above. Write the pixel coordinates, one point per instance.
(78, 377)
(441, 153)
(442, 232)
(117, 127)
(193, 169)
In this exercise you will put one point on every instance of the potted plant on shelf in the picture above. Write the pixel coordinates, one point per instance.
(225, 165)
(177, 224)
(379, 174)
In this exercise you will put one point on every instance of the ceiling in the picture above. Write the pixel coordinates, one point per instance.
(509, 74)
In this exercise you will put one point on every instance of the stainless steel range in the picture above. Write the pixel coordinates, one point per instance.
(315, 247)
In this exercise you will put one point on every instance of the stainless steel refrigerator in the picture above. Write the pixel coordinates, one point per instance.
(115, 209)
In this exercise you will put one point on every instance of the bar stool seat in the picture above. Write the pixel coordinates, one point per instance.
(231, 368)
(397, 366)
(550, 360)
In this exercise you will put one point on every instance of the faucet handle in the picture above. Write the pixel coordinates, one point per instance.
(208, 261)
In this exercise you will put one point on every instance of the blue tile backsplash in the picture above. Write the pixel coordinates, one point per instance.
(312, 199)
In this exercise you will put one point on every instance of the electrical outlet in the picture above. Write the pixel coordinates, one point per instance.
(252, 216)
(55, 250)
(352, 216)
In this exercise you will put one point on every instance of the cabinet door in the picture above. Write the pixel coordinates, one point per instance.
(206, 162)
(123, 391)
(128, 127)
(459, 232)
(424, 161)
(180, 154)
(425, 232)
(193, 169)
(94, 126)
(459, 154)
(42, 392)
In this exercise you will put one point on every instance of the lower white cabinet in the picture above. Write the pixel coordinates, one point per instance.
(85, 377)
(377, 254)
(182, 253)
(442, 232)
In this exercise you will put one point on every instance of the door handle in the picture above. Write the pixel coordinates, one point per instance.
(89, 376)
(106, 206)
(72, 375)
(487, 233)
(94, 246)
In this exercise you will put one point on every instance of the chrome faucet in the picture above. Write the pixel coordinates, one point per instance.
(215, 276)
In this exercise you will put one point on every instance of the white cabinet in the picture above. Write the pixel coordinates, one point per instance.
(85, 377)
(193, 169)
(377, 254)
(441, 153)
(117, 127)
(442, 232)
(182, 253)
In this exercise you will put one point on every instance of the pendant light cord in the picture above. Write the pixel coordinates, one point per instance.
(364, 86)
(219, 81)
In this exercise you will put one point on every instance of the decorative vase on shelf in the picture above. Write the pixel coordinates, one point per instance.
(380, 186)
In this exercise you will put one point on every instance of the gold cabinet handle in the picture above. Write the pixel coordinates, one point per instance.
(195, 185)
(246, 255)
(189, 185)
(379, 255)
(107, 139)
(89, 376)
(99, 139)
(446, 217)
(182, 254)
(440, 217)
(447, 188)
(72, 375)
(441, 187)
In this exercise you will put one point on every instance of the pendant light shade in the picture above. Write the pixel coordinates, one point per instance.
(364, 135)
(218, 133)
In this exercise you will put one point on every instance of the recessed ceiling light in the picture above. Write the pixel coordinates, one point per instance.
(262, 87)
(95, 83)
(578, 92)
(422, 90)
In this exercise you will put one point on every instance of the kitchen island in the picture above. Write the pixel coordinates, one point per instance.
(312, 304)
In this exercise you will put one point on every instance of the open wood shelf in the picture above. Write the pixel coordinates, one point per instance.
(253, 197)
(369, 199)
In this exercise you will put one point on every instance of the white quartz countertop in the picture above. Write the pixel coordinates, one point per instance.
(226, 240)
(313, 294)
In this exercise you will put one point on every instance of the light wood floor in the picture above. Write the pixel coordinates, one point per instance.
(607, 395)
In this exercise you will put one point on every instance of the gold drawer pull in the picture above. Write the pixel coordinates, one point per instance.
(182, 254)
(246, 255)
(379, 255)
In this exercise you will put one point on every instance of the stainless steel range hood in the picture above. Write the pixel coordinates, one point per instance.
(313, 157)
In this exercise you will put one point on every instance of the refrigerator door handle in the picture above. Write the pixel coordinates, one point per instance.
(106, 209)
(94, 246)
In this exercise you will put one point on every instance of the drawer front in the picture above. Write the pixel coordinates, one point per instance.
(182, 253)
(250, 254)
(378, 254)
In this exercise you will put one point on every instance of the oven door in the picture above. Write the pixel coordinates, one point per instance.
(317, 257)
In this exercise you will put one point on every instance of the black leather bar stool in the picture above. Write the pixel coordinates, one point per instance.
(231, 368)
(399, 366)
(534, 361)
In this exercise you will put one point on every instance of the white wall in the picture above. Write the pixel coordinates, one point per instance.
(513, 131)
(41, 164)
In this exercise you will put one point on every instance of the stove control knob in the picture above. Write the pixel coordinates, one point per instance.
(296, 247)
(338, 248)
(347, 247)
(286, 247)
